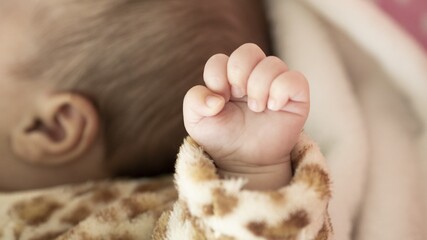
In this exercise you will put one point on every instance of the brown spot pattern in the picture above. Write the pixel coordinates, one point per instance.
(48, 235)
(82, 190)
(202, 171)
(105, 195)
(223, 203)
(327, 228)
(198, 232)
(17, 231)
(277, 197)
(331, 228)
(107, 215)
(133, 207)
(287, 229)
(77, 215)
(80, 235)
(121, 236)
(187, 217)
(323, 233)
(298, 155)
(137, 205)
(159, 232)
(152, 186)
(37, 210)
(298, 219)
(316, 178)
(208, 210)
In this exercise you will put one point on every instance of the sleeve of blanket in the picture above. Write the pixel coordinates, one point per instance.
(213, 208)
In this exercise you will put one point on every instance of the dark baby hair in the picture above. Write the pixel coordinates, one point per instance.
(135, 59)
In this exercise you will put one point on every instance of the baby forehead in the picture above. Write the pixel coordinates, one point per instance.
(17, 26)
(14, 15)
(10, 8)
(27, 13)
(16, 19)
(29, 18)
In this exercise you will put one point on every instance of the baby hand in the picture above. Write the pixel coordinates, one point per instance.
(249, 115)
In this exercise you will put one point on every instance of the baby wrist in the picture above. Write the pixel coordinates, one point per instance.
(269, 177)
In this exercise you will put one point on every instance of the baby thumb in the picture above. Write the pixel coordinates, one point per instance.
(200, 102)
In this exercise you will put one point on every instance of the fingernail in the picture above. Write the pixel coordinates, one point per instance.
(272, 105)
(253, 105)
(213, 101)
(237, 92)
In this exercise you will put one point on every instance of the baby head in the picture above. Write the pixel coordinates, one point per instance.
(90, 89)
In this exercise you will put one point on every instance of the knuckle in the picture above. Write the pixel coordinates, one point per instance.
(279, 83)
(219, 56)
(250, 46)
(257, 92)
(275, 64)
(275, 60)
(297, 75)
(235, 73)
(215, 58)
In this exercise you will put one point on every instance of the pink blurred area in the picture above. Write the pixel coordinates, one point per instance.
(411, 15)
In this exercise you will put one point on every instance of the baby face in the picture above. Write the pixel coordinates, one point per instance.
(15, 95)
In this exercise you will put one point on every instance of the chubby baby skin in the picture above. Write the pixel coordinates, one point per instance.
(249, 115)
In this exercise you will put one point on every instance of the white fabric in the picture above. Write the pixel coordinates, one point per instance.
(368, 83)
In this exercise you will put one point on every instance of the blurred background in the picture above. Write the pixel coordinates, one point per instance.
(410, 15)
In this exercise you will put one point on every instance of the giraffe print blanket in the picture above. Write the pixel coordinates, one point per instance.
(193, 204)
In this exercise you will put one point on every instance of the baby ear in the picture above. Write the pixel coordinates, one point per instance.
(63, 127)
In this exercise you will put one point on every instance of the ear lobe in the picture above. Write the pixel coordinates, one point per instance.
(62, 129)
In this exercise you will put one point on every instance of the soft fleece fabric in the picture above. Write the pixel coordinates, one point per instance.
(203, 207)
